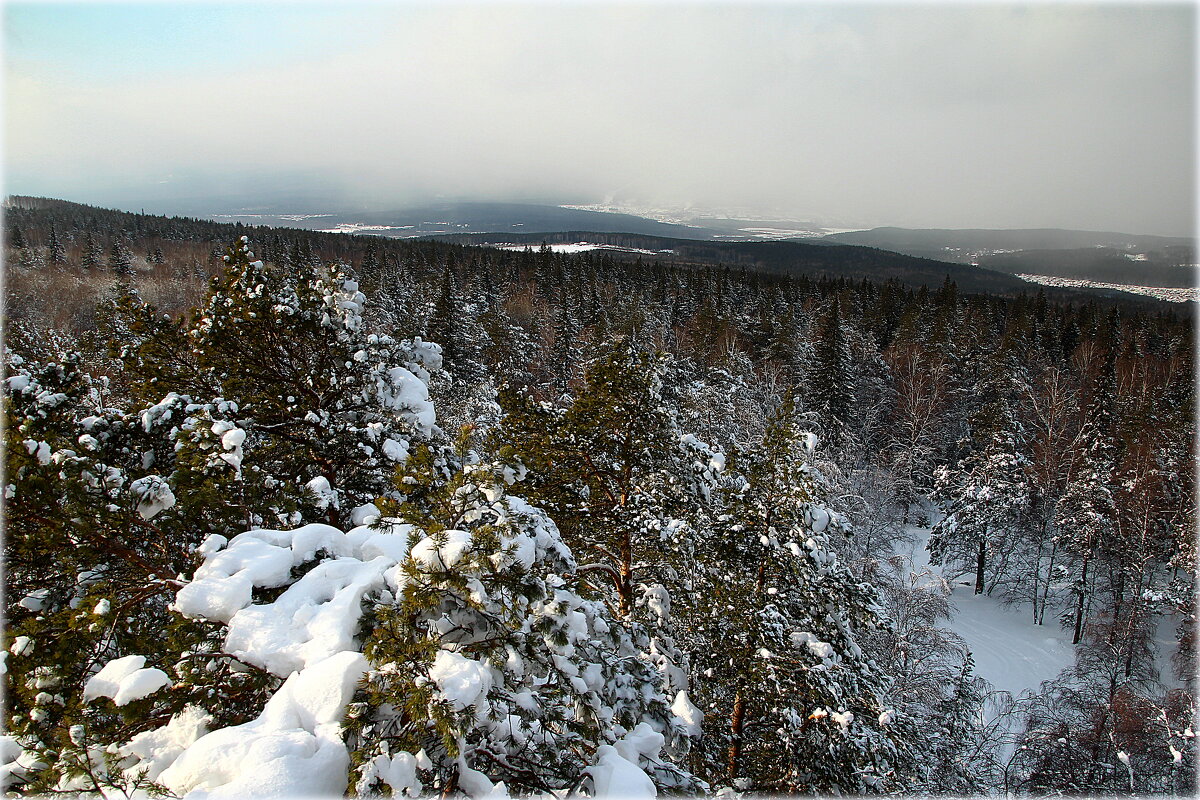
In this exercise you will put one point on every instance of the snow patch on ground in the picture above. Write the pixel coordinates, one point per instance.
(359, 227)
(1010, 651)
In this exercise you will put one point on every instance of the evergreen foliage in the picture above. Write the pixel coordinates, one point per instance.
(120, 260)
(773, 623)
(632, 478)
(490, 586)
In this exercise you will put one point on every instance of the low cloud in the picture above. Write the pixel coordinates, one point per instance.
(950, 116)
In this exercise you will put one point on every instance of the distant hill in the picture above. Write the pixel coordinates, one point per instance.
(784, 257)
(453, 217)
(813, 258)
(1093, 255)
(955, 242)
(1169, 266)
(196, 240)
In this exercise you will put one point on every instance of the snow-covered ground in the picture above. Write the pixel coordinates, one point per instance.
(358, 227)
(580, 247)
(1011, 652)
(783, 233)
(1174, 295)
(671, 216)
(1166, 641)
(289, 217)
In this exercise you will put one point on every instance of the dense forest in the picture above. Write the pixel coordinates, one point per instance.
(289, 512)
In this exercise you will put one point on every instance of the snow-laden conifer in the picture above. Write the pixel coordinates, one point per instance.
(791, 701)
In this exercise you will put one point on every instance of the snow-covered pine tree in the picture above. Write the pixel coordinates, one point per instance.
(983, 496)
(1086, 510)
(920, 380)
(105, 504)
(461, 385)
(16, 239)
(488, 666)
(92, 254)
(510, 349)
(627, 488)
(57, 253)
(567, 349)
(96, 541)
(327, 406)
(120, 260)
(615, 470)
(960, 758)
(832, 378)
(484, 664)
(791, 702)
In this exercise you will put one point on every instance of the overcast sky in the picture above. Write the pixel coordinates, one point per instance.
(1079, 116)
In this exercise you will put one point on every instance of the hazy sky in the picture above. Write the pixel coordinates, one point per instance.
(1078, 116)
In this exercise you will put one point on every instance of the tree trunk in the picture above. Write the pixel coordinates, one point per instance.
(1079, 605)
(625, 600)
(1131, 626)
(1037, 574)
(979, 568)
(735, 744)
(1046, 590)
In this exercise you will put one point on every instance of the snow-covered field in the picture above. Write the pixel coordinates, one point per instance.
(1174, 295)
(783, 233)
(358, 227)
(667, 215)
(580, 247)
(288, 217)
(1011, 653)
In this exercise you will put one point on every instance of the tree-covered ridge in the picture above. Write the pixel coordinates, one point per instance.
(79, 234)
(686, 482)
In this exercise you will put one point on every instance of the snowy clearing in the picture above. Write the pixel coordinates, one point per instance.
(359, 227)
(783, 233)
(1173, 295)
(288, 217)
(580, 247)
(1010, 652)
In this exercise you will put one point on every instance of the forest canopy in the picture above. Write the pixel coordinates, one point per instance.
(289, 512)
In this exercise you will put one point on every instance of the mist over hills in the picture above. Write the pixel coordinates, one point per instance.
(1123, 258)
(464, 217)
